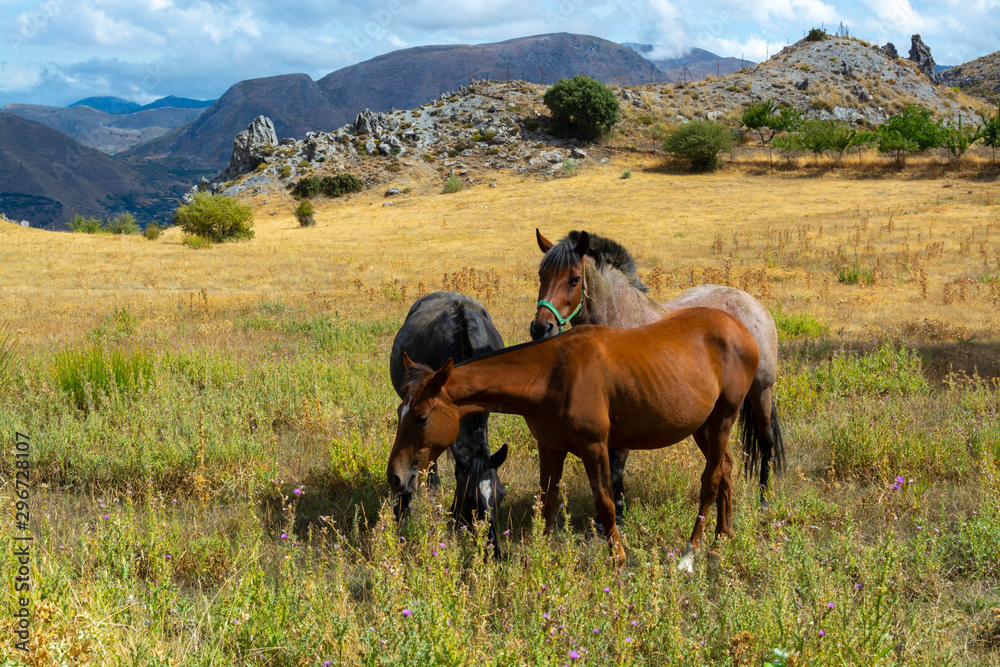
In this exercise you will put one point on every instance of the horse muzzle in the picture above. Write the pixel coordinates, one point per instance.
(543, 329)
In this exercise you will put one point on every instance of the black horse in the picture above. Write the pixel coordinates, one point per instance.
(442, 326)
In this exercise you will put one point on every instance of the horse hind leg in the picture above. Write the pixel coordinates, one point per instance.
(761, 437)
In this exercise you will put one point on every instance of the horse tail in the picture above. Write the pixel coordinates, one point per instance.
(752, 443)
(763, 451)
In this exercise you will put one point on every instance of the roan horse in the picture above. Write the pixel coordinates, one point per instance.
(588, 279)
(439, 327)
(589, 389)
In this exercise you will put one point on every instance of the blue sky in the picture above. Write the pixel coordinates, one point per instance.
(59, 51)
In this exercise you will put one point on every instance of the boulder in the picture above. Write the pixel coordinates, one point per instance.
(247, 147)
(578, 153)
(375, 124)
(890, 50)
(920, 54)
(391, 192)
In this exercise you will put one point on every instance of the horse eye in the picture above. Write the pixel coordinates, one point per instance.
(573, 282)
(422, 419)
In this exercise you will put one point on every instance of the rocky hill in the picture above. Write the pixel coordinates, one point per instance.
(46, 178)
(837, 77)
(109, 132)
(980, 77)
(401, 79)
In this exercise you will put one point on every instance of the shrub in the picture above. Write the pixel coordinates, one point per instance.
(700, 141)
(627, 173)
(84, 225)
(306, 187)
(215, 218)
(568, 167)
(816, 35)
(582, 107)
(453, 184)
(304, 214)
(331, 186)
(152, 231)
(286, 171)
(196, 242)
(123, 223)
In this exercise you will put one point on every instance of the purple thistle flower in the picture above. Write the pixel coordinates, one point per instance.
(822, 632)
(407, 612)
(628, 640)
(573, 655)
(830, 605)
(607, 589)
(106, 517)
(297, 491)
(284, 536)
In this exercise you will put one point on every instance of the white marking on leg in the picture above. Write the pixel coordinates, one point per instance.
(687, 561)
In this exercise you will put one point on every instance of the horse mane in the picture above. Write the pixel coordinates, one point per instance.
(605, 252)
(462, 319)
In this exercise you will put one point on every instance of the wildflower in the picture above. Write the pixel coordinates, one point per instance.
(830, 605)
(628, 640)
(407, 612)
(106, 517)
(822, 632)
(327, 663)
(596, 631)
(573, 655)
(297, 491)
(168, 556)
(284, 536)
(434, 553)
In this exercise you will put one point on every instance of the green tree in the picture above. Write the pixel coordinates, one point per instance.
(958, 137)
(84, 225)
(123, 223)
(700, 141)
(215, 218)
(912, 131)
(767, 120)
(991, 132)
(582, 107)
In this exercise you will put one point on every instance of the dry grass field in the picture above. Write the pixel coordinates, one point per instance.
(167, 527)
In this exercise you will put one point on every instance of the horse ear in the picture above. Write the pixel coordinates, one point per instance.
(583, 244)
(441, 376)
(501, 455)
(543, 242)
(406, 361)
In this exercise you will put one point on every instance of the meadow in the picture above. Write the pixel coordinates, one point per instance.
(209, 430)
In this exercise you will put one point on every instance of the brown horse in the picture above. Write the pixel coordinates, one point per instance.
(587, 264)
(589, 389)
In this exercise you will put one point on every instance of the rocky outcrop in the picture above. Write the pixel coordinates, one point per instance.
(920, 54)
(890, 50)
(247, 147)
(380, 130)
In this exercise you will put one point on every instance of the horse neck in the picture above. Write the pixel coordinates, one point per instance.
(615, 302)
(505, 383)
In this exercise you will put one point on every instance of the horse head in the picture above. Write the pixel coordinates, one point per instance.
(562, 282)
(428, 424)
(479, 491)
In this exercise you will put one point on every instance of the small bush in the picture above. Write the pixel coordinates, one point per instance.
(303, 164)
(568, 168)
(306, 188)
(816, 35)
(91, 376)
(453, 184)
(123, 223)
(152, 231)
(82, 225)
(286, 171)
(215, 218)
(582, 107)
(304, 214)
(701, 142)
(627, 174)
(196, 242)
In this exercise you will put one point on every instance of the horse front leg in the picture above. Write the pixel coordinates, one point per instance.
(595, 461)
(617, 458)
(550, 466)
(714, 447)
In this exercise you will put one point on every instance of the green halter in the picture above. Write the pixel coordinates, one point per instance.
(563, 321)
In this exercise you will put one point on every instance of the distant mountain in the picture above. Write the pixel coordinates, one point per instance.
(979, 77)
(46, 178)
(401, 79)
(110, 133)
(118, 106)
(111, 105)
(694, 64)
